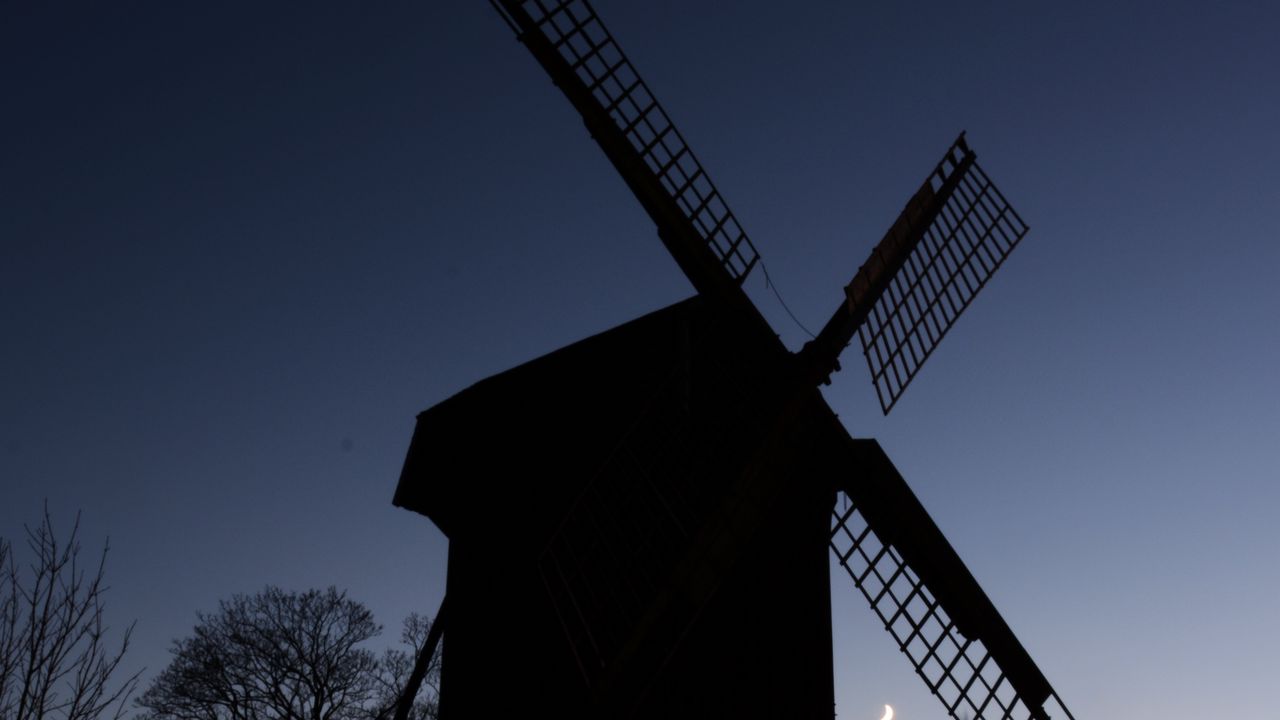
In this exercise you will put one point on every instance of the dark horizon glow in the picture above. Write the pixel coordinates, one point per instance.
(244, 245)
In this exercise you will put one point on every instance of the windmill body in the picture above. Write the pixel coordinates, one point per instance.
(640, 522)
(569, 488)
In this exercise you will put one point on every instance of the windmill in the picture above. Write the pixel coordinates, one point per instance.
(640, 522)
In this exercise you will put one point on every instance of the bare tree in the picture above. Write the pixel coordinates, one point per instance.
(404, 672)
(56, 656)
(281, 655)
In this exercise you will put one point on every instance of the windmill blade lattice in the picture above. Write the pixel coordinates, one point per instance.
(960, 671)
(953, 257)
(636, 133)
(944, 623)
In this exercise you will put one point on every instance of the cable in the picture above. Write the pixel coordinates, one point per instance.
(768, 283)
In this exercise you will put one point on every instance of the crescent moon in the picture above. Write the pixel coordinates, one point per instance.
(888, 713)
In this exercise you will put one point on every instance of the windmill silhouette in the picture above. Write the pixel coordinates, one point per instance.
(640, 522)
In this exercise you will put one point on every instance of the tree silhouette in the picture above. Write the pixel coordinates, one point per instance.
(280, 655)
(405, 671)
(56, 658)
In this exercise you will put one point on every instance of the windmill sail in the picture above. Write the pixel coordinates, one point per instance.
(581, 56)
(941, 619)
(945, 245)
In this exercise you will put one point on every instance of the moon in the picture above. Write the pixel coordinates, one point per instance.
(888, 713)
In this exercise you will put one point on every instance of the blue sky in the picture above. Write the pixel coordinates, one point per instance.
(243, 245)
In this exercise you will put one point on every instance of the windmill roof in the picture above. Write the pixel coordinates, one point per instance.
(459, 468)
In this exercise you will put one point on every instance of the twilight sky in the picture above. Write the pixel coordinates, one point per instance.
(242, 244)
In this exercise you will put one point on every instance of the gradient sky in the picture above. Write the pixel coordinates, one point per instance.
(243, 244)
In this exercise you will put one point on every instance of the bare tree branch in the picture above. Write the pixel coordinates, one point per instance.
(55, 659)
